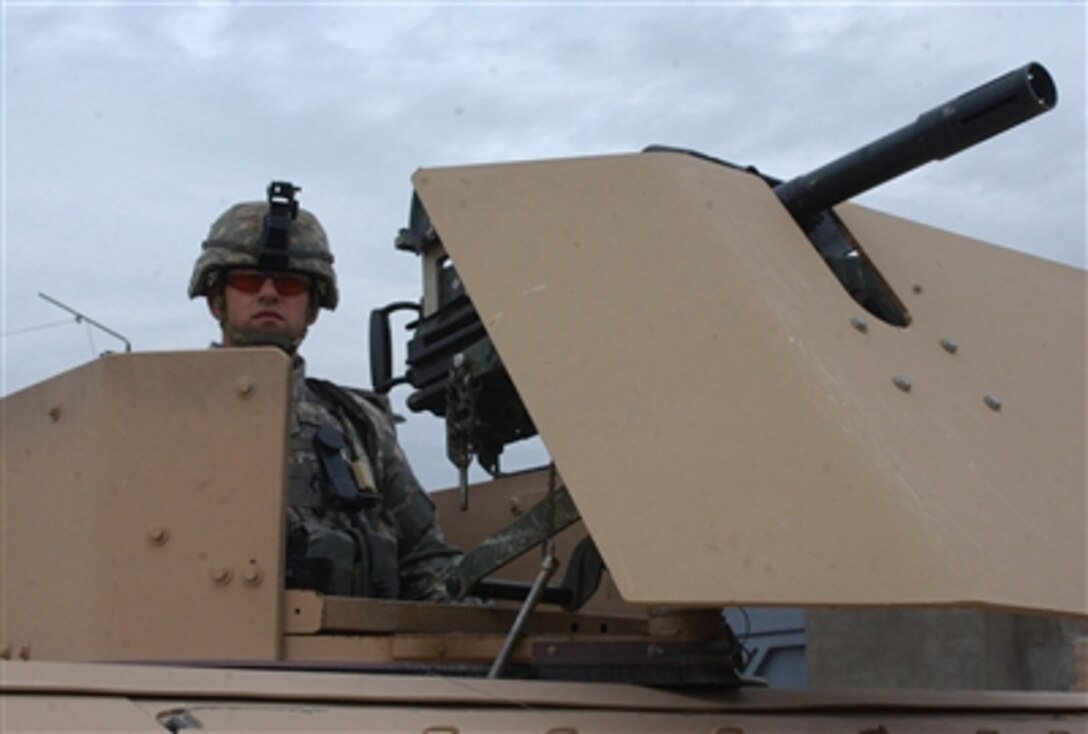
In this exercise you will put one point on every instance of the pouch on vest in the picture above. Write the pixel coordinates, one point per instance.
(321, 558)
(384, 581)
(343, 491)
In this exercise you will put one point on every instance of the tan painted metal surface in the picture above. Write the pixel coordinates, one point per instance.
(62, 713)
(142, 509)
(41, 696)
(229, 716)
(730, 437)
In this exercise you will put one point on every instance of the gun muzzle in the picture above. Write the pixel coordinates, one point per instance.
(943, 131)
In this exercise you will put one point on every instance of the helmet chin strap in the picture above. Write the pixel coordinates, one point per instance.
(258, 338)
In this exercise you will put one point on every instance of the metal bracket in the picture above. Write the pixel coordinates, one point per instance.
(545, 519)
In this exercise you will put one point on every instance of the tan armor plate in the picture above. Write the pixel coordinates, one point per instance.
(143, 508)
(729, 435)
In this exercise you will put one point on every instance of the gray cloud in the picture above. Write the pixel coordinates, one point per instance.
(129, 127)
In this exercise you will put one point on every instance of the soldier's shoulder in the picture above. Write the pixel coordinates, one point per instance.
(373, 399)
(375, 404)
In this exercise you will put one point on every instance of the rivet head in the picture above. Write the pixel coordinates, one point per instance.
(221, 575)
(949, 345)
(917, 288)
(860, 324)
(158, 535)
(245, 386)
(252, 575)
(54, 413)
(903, 382)
(992, 402)
(5, 652)
(24, 652)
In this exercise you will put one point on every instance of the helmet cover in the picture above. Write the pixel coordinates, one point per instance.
(235, 240)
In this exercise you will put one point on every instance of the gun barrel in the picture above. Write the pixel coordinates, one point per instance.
(947, 129)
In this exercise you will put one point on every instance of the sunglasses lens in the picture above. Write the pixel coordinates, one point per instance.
(290, 284)
(245, 281)
(286, 284)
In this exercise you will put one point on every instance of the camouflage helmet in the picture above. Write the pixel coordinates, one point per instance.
(238, 238)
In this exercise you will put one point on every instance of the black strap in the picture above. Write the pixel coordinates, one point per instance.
(329, 447)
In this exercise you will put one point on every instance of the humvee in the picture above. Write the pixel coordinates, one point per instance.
(751, 392)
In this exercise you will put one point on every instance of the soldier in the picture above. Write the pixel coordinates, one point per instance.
(358, 522)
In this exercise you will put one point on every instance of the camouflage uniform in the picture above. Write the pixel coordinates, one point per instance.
(358, 521)
(391, 548)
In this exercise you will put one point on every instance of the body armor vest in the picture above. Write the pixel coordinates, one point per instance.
(340, 540)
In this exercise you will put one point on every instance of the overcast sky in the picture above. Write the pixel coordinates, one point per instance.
(128, 127)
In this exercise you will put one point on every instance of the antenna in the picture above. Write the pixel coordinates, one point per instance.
(81, 318)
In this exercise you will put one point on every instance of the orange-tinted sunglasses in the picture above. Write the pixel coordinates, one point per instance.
(285, 283)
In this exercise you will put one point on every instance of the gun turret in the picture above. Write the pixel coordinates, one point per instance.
(457, 373)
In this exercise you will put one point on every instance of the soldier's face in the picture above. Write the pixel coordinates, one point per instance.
(256, 303)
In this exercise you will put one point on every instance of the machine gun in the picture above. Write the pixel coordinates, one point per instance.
(457, 373)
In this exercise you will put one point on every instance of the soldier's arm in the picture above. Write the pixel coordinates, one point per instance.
(426, 559)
